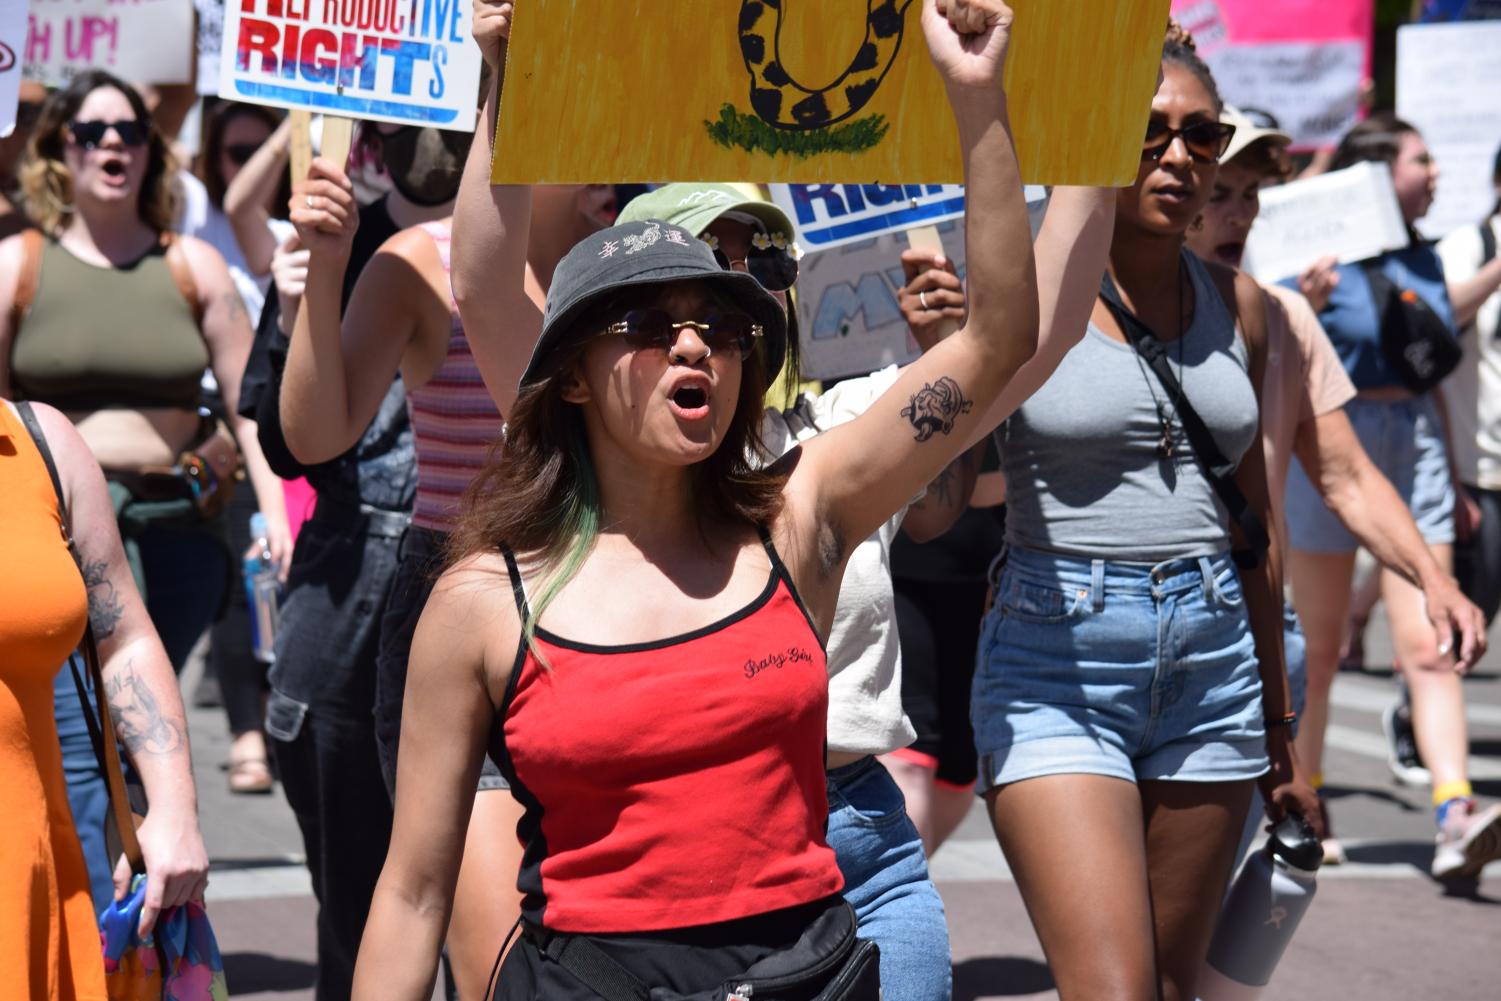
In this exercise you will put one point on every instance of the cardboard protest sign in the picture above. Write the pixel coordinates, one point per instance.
(849, 317)
(1449, 86)
(411, 62)
(810, 91)
(12, 44)
(1350, 214)
(1301, 60)
(142, 41)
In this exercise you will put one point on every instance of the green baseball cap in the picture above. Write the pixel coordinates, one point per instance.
(695, 206)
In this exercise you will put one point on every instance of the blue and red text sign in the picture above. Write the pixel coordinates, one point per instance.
(406, 61)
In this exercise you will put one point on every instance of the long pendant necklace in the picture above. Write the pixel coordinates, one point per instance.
(1168, 441)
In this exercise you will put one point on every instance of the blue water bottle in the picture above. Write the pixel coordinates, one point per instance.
(262, 592)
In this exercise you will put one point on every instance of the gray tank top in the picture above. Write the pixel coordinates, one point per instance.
(1083, 476)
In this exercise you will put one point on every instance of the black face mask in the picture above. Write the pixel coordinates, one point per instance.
(425, 164)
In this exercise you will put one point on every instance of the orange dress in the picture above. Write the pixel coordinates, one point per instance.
(49, 936)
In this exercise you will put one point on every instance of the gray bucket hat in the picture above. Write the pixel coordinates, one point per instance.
(639, 254)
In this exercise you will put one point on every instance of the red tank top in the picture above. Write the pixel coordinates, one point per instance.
(675, 783)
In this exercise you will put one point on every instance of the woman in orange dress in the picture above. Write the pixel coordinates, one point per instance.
(49, 937)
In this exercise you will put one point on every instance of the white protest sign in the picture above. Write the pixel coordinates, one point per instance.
(12, 44)
(141, 41)
(411, 62)
(848, 314)
(1350, 214)
(1449, 86)
(832, 215)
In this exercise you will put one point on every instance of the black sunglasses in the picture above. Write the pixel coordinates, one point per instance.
(775, 269)
(654, 329)
(240, 153)
(90, 135)
(1206, 142)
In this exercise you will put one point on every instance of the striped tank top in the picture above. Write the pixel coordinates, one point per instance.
(454, 420)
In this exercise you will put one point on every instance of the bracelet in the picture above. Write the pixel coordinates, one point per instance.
(1286, 719)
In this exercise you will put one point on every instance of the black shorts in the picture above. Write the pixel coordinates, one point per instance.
(939, 626)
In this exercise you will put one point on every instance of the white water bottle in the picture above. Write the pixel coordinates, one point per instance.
(262, 592)
(1268, 900)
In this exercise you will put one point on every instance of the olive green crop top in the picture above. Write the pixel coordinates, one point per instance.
(98, 338)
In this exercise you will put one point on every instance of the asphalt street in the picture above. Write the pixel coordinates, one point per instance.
(1380, 929)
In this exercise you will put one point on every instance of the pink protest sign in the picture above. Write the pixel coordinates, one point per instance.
(1304, 61)
(142, 41)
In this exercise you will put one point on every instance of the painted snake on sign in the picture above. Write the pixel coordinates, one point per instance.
(784, 103)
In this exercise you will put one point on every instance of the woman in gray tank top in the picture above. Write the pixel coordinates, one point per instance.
(1130, 684)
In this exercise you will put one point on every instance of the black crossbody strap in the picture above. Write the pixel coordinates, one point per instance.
(1487, 243)
(593, 967)
(1220, 470)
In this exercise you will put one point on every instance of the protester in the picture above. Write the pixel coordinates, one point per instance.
(1403, 432)
(402, 319)
(877, 850)
(662, 421)
(1130, 678)
(1472, 271)
(1303, 412)
(242, 167)
(49, 939)
(121, 324)
(28, 107)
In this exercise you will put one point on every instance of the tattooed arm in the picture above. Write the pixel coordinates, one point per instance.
(138, 681)
(855, 476)
(945, 499)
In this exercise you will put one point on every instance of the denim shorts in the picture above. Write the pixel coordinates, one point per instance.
(1129, 670)
(1405, 441)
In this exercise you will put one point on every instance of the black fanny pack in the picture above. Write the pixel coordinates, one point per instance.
(828, 963)
(1415, 341)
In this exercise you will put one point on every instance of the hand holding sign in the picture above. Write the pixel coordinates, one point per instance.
(324, 211)
(492, 29)
(967, 40)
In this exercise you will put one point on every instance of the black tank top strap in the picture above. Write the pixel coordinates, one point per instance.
(780, 569)
(518, 589)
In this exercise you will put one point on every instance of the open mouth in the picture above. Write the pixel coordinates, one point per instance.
(690, 401)
(113, 169)
(1231, 253)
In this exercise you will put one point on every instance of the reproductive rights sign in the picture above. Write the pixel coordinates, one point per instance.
(411, 62)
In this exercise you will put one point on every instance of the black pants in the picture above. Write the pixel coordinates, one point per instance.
(242, 678)
(321, 730)
(1477, 562)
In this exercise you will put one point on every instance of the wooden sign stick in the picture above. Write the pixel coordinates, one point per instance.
(926, 238)
(302, 143)
(337, 135)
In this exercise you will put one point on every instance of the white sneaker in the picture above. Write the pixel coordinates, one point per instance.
(1467, 841)
(1402, 747)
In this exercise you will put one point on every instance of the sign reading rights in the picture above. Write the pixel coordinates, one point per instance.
(829, 215)
(143, 41)
(411, 62)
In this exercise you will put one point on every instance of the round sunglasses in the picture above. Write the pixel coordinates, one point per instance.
(653, 329)
(775, 269)
(90, 135)
(1206, 142)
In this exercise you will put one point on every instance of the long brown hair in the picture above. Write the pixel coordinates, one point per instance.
(210, 170)
(47, 183)
(538, 494)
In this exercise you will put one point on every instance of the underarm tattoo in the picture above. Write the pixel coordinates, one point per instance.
(139, 722)
(935, 407)
(104, 604)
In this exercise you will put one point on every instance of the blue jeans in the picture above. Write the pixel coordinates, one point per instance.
(88, 795)
(886, 882)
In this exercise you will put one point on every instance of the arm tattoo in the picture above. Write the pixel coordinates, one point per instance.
(139, 722)
(935, 407)
(104, 605)
(235, 304)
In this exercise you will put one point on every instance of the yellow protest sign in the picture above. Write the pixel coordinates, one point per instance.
(810, 91)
